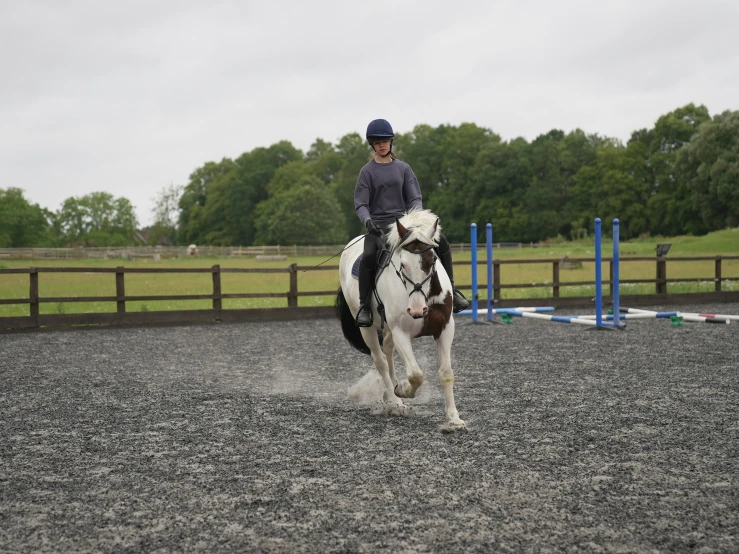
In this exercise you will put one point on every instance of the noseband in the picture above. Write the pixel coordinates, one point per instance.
(417, 287)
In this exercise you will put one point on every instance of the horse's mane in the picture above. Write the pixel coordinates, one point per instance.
(419, 223)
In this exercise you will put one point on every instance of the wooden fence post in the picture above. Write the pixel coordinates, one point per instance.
(717, 275)
(292, 297)
(33, 294)
(496, 280)
(610, 278)
(555, 279)
(661, 282)
(217, 302)
(120, 290)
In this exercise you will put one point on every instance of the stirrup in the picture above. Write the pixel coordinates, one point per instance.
(459, 302)
(367, 320)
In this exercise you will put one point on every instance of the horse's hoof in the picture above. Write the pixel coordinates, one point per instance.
(454, 427)
(392, 409)
(399, 410)
(404, 391)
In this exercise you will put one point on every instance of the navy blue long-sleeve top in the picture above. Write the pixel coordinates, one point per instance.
(384, 192)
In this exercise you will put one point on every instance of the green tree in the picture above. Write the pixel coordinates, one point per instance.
(325, 160)
(423, 149)
(500, 176)
(166, 213)
(286, 178)
(307, 213)
(617, 186)
(22, 224)
(228, 215)
(191, 225)
(454, 201)
(670, 208)
(710, 166)
(97, 219)
(355, 153)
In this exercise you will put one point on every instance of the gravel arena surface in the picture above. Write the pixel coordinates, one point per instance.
(242, 438)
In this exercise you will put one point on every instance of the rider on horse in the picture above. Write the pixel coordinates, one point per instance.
(386, 189)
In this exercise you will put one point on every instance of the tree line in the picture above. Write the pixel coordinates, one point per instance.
(679, 177)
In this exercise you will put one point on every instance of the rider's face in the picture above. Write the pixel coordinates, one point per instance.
(381, 146)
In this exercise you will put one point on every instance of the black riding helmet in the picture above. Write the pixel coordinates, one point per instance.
(380, 129)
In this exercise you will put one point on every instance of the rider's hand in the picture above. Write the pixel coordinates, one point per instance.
(372, 228)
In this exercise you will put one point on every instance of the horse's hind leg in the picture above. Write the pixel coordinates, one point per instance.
(446, 375)
(408, 387)
(381, 363)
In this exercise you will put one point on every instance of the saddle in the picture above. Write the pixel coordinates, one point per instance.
(383, 260)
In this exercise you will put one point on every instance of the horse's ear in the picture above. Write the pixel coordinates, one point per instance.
(432, 232)
(401, 230)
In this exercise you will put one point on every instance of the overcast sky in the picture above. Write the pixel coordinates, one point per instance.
(130, 97)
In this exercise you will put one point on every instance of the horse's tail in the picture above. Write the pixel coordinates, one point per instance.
(348, 326)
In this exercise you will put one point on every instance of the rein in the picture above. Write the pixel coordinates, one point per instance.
(402, 276)
(332, 257)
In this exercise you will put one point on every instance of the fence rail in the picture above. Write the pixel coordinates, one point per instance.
(217, 313)
(164, 252)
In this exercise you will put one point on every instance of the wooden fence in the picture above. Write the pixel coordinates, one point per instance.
(292, 311)
(167, 252)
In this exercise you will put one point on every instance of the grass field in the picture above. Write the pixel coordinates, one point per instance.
(94, 284)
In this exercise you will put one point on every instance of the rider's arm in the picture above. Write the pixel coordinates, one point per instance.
(411, 190)
(362, 197)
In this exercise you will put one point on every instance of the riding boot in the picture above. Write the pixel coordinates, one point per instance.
(459, 302)
(366, 276)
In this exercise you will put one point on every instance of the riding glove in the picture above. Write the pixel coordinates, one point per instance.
(372, 228)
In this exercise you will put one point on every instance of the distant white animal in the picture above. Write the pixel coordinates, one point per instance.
(192, 250)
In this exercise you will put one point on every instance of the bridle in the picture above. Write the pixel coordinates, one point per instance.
(417, 287)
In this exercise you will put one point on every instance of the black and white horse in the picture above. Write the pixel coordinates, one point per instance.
(417, 297)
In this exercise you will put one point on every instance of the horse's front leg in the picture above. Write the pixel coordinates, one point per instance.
(381, 363)
(388, 346)
(446, 375)
(408, 387)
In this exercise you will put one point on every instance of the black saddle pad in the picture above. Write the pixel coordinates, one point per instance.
(383, 259)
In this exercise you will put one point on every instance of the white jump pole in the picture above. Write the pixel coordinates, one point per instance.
(717, 316)
(556, 318)
(695, 318)
(483, 311)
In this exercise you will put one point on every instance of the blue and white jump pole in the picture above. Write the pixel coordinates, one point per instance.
(615, 285)
(484, 311)
(473, 251)
(599, 321)
(598, 276)
(489, 244)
